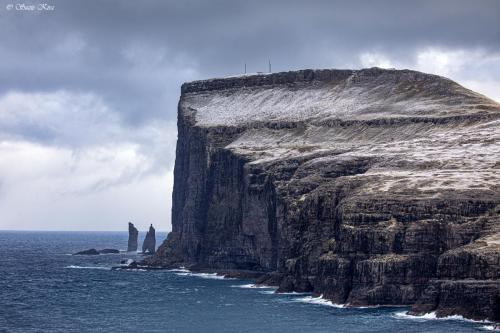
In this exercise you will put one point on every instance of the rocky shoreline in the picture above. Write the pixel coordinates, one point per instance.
(271, 279)
(369, 187)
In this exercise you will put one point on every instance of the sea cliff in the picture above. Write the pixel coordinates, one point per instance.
(370, 187)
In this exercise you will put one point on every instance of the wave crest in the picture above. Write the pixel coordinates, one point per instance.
(89, 267)
(319, 301)
(211, 276)
(252, 286)
(433, 316)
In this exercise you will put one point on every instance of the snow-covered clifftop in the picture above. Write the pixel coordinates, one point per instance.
(328, 95)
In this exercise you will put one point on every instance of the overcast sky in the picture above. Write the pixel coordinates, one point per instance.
(89, 90)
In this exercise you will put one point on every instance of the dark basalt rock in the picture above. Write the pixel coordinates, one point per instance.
(133, 234)
(93, 252)
(90, 252)
(149, 244)
(109, 251)
(133, 265)
(371, 187)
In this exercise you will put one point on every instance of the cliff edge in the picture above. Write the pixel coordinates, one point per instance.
(371, 187)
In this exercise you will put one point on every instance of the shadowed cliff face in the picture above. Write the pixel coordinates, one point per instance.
(370, 187)
(149, 244)
(133, 234)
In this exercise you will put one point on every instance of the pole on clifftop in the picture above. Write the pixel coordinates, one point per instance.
(245, 67)
(269, 65)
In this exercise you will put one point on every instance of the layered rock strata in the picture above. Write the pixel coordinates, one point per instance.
(371, 187)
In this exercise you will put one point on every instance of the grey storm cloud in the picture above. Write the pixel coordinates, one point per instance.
(135, 54)
(89, 91)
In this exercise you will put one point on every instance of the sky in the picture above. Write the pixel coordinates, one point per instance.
(89, 89)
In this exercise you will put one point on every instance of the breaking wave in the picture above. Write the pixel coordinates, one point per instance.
(297, 293)
(318, 301)
(212, 276)
(180, 270)
(89, 267)
(252, 286)
(433, 316)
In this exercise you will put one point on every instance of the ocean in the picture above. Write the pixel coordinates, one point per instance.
(43, 288)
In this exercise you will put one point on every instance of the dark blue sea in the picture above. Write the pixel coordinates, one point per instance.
(45, 289)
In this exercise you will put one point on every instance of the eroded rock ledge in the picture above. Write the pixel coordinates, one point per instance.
(371, 187)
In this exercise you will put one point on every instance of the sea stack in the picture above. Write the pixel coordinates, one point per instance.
(370, 187)
(149, 244)
(132, 237)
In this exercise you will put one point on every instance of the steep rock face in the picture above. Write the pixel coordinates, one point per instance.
(133, 234)
(370, 187)
(149, 244)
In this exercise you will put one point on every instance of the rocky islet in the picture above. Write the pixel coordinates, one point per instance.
(133, 235)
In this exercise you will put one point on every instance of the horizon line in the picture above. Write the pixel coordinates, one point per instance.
(52, 230)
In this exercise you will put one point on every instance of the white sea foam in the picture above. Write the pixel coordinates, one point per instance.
(180, 269)
(252, 286)
(433, 316)
(274, 292)
(292, 293)
(89, 267)
(212, 276)
(491, 328)
(129, 262)
(318, 300)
